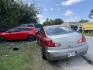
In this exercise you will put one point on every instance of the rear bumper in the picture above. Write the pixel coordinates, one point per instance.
(63, 53)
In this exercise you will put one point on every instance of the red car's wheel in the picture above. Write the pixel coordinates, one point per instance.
(2, 39)
(31, 38)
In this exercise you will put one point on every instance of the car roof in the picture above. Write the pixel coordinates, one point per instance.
(51, 26)
(24, 27)
(54, 26)
(32, 24)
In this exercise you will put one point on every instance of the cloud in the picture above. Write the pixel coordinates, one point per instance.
(69, 13)
(73, 19)
(71, 16)
(70, 2)
(41, 18)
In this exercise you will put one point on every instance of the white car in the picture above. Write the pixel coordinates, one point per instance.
(59, 42)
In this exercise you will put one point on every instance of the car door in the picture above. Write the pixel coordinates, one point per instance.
(17, 34)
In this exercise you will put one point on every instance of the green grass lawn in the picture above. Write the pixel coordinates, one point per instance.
(17, 60)
(28, 57)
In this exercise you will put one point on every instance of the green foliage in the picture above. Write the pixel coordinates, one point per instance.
(91, 14)
(47, 22)
(56, 21)
(14, 13)
(83, 21)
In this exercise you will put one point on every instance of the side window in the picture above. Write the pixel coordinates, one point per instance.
(19, 29)
(30, 25)
(12, 30)
(23, 29)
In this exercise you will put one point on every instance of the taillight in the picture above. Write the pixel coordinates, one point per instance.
(50, 43)
(82, 39)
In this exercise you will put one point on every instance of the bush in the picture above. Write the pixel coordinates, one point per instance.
(14, 13)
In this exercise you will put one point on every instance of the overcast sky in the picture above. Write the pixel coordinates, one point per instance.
(68, 10)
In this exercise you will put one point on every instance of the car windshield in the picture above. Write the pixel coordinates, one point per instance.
(57, 30)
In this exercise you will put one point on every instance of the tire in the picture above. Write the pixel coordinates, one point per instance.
(31, 38)
(2, 39)
(43, 54)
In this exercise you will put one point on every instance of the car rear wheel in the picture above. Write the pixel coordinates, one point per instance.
(31, 38)
(43, 54)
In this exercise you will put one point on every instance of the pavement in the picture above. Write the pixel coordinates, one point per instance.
(76, 63)
(89, 55)
(79, 62)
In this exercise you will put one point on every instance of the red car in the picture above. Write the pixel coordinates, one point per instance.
(19, 33)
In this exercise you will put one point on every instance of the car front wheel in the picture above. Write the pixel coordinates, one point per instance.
(2, 39)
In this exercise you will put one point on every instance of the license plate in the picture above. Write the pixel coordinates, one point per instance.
(71, 54)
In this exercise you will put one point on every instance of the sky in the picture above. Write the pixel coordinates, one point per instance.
(68, 10)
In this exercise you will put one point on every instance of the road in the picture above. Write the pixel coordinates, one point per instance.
(76, 63)
(80, 63)
(89, 54)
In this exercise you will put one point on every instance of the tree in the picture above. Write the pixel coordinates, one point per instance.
(56, 21)
(47, 22)
(83, 21)
(14, 13)
(91, 14)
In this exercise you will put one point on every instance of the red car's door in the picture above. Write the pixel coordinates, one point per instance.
(16, 35)
(19, 33)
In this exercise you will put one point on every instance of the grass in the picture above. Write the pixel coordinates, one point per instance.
(16, 60)
(28, 57)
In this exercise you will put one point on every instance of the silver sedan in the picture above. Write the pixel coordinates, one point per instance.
(59, 42)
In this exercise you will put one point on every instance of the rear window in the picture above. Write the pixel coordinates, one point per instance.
(38, 25)
(57, 30)
(29, 25)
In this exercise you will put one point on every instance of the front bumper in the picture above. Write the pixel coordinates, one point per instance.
(63, 53)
